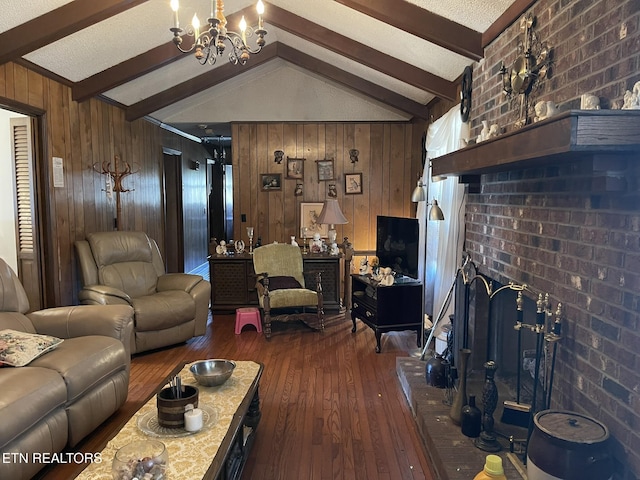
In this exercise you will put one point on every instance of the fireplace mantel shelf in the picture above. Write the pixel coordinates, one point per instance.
(563, 137)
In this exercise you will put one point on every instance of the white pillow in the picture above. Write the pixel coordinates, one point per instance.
(18, 349)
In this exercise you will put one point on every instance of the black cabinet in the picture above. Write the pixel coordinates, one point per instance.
(387, 308)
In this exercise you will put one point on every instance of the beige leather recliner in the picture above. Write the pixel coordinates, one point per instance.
(126, 268)
(56, 400)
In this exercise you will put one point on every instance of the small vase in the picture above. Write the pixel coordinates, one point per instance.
(435, 372)
(460, 399)
(471, 418)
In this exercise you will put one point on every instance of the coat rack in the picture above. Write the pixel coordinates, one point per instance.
(116, 175)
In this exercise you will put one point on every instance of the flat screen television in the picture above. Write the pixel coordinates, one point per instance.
(397, 244)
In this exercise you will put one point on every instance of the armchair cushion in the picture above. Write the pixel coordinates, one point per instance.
(18, 349)
(163, 310)
(282, 282)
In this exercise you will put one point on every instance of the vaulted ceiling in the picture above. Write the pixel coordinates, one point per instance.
(325, 60)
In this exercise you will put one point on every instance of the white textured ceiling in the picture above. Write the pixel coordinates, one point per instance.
(277, 90)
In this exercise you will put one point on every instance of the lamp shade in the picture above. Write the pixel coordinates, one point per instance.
(435, 212)
(418, 194)
(331, 213)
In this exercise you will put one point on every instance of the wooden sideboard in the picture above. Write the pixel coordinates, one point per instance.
(233, 280)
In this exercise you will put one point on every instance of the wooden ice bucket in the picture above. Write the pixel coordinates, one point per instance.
(171, 409)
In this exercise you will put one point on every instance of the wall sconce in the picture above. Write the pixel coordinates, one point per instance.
(353, 155)
(277, 156)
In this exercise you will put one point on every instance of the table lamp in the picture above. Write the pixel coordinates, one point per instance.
(332, 215)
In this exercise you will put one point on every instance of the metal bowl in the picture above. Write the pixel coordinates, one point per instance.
(212, 373)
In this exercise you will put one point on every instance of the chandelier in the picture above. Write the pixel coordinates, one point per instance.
(210, 43)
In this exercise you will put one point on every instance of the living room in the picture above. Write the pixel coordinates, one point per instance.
(553, 226)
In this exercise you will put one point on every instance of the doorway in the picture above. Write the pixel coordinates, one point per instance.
(20, 238)
(173, 211)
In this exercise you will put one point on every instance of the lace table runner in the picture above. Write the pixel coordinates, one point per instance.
(189, 456)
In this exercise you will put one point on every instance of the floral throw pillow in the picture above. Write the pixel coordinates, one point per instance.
(18, 349)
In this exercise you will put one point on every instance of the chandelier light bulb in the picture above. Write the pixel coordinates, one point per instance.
(259, 7)
(174, 6)
(195, 22)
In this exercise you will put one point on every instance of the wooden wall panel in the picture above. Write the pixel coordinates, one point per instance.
(388, 161)
(84, 134)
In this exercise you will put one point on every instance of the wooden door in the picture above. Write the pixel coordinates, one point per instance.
(26, 209)
(173, 218)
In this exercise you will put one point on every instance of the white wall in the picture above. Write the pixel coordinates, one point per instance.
(7, 193)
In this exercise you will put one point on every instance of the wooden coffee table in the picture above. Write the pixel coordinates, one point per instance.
(220, 450)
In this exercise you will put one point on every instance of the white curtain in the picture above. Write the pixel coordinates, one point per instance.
(442, 240)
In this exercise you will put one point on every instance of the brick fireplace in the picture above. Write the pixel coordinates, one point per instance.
(563, 216)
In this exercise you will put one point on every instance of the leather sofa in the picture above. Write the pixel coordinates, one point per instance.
(126, 268)
(56, 400)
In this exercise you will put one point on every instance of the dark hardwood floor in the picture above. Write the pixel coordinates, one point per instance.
(331, 407)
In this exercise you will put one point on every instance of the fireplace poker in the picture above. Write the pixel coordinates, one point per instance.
(554, 337)
(539, 329)
(515, 413)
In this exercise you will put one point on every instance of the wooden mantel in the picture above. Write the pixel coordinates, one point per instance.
(565, 136)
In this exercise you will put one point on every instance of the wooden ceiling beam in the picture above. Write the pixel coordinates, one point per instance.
(423, 24)
(353, 82)
(210, 78)
(508, 17)
(139, 65)
(360, 53)
(56, 24)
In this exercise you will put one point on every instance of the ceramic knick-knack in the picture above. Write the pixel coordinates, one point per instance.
(471, 418)
(460, 399)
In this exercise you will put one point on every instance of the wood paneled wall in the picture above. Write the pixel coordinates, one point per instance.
(84, 134)
(389, 160)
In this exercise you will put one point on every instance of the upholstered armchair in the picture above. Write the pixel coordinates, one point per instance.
(126, 268)
(281, 286)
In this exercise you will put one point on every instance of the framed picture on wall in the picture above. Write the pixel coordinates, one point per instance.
(309, 213)
(271, 182)
(352, 183)
(325, 170)
(295, 168)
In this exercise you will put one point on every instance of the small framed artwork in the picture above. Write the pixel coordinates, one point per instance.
(271, 182)
(325, 170)
(295, 168)
(352, 183)
(309, 213)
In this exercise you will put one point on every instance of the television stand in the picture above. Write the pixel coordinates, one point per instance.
(386, 309)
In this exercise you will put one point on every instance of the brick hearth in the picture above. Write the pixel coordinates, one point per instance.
(453, 455)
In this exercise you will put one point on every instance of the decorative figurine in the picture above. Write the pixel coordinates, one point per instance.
(293, 241)
(632, 98)
(589, 101)
(364, 266)
(544, 110)
(334, 249)
(316, 244)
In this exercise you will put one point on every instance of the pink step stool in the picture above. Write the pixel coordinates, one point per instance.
(248, 316)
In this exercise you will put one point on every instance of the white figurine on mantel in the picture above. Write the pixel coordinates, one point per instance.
(588, 101)
(316, 244)
(385, 277)
(632, 98)
(545, 110)
(488, 132)
(293, 241)
(334, 249)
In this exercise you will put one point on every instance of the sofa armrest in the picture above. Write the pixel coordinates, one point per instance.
(103, 295)
(68, 322)
(178, 281)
